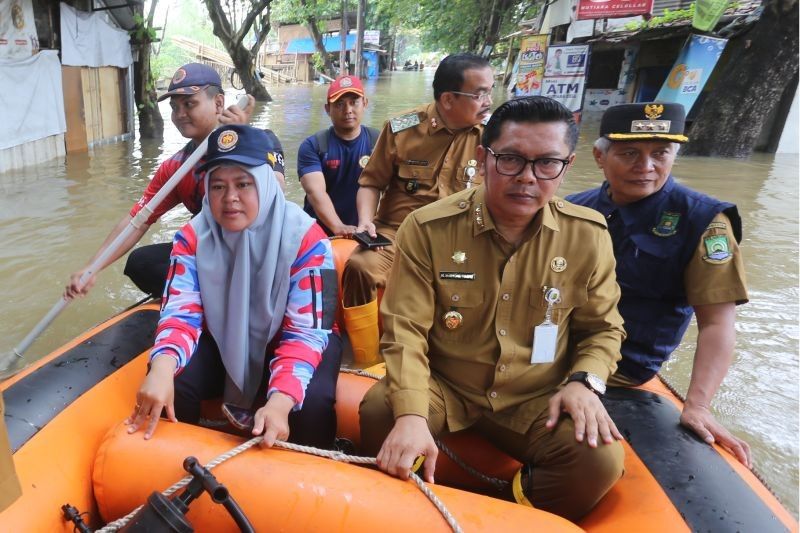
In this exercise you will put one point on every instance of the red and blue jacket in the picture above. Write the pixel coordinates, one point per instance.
(307, 322)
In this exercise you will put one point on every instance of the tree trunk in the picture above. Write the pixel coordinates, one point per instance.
(313, 29)
(151, 125)
(233, 40)
(498, 12)
(763, 63)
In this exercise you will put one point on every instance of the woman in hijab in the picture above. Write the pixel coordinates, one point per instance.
(248, 309)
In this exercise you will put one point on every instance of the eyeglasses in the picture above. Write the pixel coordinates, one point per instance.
(480, 95)
(544, 168)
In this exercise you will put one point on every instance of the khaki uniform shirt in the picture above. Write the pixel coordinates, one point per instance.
(419, 163)
(712, 282)
(449, 257)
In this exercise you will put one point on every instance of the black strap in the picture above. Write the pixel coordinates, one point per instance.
(323, 135)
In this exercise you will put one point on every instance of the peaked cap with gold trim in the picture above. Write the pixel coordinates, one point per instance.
(644, 121)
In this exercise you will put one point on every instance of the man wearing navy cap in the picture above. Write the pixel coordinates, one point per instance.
(677, 254)
(330, 161)
(197, 101)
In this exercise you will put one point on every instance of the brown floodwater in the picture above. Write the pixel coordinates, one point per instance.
(54, 216)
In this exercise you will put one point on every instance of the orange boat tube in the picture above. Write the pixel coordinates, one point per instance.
(281, 490)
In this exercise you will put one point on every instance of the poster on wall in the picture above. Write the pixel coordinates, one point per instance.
(531, 65)
(608, 9)
(565, 74)
(692, 69)
(18, 38)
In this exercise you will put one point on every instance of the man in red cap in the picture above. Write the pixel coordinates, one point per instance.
(330, 161)
(198, 107)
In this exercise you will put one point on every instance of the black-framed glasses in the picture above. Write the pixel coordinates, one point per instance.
(544, 168)
(480, 95)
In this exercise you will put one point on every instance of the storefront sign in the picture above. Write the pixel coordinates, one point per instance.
(565, 74)
(531, 65)
(692, 70)
(608, 9)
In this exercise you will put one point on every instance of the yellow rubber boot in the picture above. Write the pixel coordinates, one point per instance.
(361, 323)
(519, 485)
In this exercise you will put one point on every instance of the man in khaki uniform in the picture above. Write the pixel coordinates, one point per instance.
(421, 156)
(500, 314)
(677, 255)
(9, 484)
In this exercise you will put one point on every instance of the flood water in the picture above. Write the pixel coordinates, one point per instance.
(54, 216)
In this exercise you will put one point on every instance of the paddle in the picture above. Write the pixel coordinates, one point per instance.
(137, 221)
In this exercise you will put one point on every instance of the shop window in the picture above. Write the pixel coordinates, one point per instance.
(604, 69)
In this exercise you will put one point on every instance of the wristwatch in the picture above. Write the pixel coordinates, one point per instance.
(592, 382)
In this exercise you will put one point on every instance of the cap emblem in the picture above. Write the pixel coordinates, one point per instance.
(346, 82)
(653, 111)
(227, 140)
(179, 76)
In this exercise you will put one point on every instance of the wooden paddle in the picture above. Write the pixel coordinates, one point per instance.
(141, 217)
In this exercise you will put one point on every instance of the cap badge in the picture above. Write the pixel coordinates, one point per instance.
(346, 82)
(362, 162)
(453, 319)
(227, 140)
(653, 111)
(558, 264)
(179, 76)
(459, 257)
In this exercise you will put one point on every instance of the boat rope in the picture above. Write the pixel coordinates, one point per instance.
(359, 372)
(335, 455)
(498, 483)
(670, 387)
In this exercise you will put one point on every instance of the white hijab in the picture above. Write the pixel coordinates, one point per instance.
(244, 280)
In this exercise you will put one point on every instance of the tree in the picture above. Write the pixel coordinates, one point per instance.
(312, 13)
(763, 65)
(233, 20)
(151, 125)
(309, 15)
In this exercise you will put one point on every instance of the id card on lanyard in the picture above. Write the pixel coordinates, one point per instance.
(545, 335)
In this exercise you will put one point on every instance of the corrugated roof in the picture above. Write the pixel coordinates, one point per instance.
(305, 45)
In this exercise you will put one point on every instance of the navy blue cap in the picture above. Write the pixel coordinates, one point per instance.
(645, 121)
(237, 144)
(191, 79)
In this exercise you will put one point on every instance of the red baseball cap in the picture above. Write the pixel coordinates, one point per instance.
(344, 85)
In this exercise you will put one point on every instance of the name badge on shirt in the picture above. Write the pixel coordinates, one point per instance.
(545, 335)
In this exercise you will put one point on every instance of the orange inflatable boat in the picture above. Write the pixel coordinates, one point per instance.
(64, 418)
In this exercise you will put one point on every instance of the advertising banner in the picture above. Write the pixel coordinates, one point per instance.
(692, 70)
(565, 74)
(609, 9)
(18, 37)
(707, 13)
(531, 65)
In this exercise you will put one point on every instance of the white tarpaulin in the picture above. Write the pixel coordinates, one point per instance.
(31, 99)
(18, 37)
(89, 41)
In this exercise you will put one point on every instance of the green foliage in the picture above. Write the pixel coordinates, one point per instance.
(669, 17)
(317, 61)
(188, 18)
(142, 33)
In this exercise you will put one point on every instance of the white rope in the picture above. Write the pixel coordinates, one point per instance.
(359, 372)
(330, 454)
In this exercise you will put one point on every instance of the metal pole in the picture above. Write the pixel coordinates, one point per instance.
(362, 7)
(343, 35)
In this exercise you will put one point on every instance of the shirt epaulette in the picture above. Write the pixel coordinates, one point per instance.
(405, 121)
(578, 211)
(454, 204)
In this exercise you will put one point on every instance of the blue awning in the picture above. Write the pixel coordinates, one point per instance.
(332, 44)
